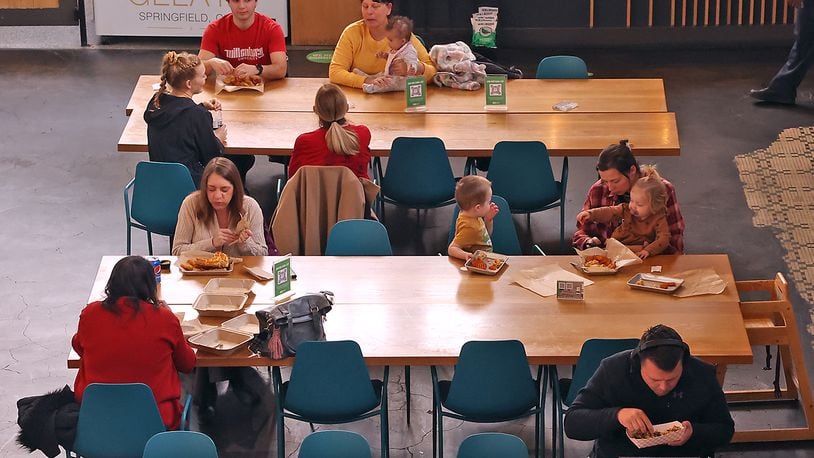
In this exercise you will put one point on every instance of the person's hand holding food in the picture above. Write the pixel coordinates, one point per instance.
(246, 71)
(493, 211)
(583, 217)
(221, 67)
(634, 420)
(213, 104)
(685, 435)
(223, 237)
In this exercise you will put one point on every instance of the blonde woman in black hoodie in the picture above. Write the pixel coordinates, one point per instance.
(178, 129)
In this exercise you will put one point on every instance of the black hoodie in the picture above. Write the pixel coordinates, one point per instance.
(181, 131)
(618, 383)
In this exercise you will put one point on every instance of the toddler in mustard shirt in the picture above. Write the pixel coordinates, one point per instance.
(474, 224)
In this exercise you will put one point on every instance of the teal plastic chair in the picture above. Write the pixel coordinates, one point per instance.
(330, 384)
(158, 189)
(504, 234)
(491, 445)
(334, 444)
(418, 175)
(358, 237)
(592, 353)
(521, 173)
(116, 420)
(492, 383)
(562, 67)
(180, 444)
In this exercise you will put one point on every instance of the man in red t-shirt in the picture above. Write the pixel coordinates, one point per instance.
(244, 43)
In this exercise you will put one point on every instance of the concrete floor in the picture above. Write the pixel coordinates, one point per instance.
(61, 202)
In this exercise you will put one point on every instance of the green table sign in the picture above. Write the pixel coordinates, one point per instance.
(322, 56)
(282, 276)
(495, 92)
(416, 93)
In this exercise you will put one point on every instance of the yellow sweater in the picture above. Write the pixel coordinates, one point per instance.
(357, 49)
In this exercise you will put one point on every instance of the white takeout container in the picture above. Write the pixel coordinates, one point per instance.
(655, 283)
(194, 327)
(229, 286)
(220, 341)
(208, 304)
(246, 323)
(659, 440)
(489, 258)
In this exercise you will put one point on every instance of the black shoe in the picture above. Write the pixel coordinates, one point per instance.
(771, 96)
(206, 414)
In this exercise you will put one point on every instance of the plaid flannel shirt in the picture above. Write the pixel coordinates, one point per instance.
(600, 196)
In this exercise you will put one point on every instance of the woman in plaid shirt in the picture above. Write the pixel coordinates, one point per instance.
(618, 170)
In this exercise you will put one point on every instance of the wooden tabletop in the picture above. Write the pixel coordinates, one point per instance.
(523, 96)
(572, 134)
(419, 310)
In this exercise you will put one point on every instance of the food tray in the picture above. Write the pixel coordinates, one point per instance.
(220, 341)
(210, 272)
(656, 283)
(229, 286)
(245, 323)
(494, 262)
(594, 270)
(220, 304)
(661, 439)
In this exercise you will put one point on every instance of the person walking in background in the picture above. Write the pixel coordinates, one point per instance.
(783, 87)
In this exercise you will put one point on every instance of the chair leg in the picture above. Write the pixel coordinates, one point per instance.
(407, 386)
(150, 242)
(440, 435)
(277, 382)
(434, 425)
(562, 228)
(129, 230)
(385, 427)
(528, 222)
(172, 239)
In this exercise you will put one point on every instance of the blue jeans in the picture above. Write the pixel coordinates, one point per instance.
(801, 54)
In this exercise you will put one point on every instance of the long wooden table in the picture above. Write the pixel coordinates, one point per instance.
(420, 310)
(467, 135)
(524, 96)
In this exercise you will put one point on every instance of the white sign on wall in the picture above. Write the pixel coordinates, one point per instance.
(172, 18)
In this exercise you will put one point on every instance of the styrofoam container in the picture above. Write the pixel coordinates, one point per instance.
(246, 323)
(220, 341)
(208, 304)
(494, 262)
(661, 438)
(229, 286)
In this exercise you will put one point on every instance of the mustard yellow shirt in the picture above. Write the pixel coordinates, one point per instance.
(357, 49)
(471, 234)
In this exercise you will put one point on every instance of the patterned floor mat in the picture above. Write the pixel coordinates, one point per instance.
(779, 185)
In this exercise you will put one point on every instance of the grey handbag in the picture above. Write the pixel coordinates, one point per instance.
(284, 327)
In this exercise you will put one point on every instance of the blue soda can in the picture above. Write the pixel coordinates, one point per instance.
(156, 267)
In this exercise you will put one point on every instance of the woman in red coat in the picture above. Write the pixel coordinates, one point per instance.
(336, 142)
(131, 336)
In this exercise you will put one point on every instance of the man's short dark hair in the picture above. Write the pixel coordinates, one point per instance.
(665, 357)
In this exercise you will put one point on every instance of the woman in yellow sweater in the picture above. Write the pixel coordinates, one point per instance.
(363, 39)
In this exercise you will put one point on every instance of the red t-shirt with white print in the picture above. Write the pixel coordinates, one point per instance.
(251, 46)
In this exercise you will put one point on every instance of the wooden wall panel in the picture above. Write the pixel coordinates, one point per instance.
(28, 4)
(321, 22)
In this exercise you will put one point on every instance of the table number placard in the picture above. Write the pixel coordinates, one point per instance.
(416, 93)
(568, 290)
(282, 275)
(495, 86)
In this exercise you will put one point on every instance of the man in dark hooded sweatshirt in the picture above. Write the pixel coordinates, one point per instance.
(658, 382)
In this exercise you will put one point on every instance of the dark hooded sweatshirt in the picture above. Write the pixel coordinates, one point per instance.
(181, 131)
(618, 383)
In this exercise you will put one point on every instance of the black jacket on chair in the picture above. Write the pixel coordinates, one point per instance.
(48, 421)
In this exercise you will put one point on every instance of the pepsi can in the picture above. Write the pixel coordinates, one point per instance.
(156, 267)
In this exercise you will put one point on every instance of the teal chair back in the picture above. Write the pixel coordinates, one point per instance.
(562, 67)
(349, 393)
(158, 189)
(180, 444)
(418, 174)
(491, 445)
(116, 420)
(334, 444)
(592, 353)
(521, 173)
(492, 381)
(504, 234)
(358, 237)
